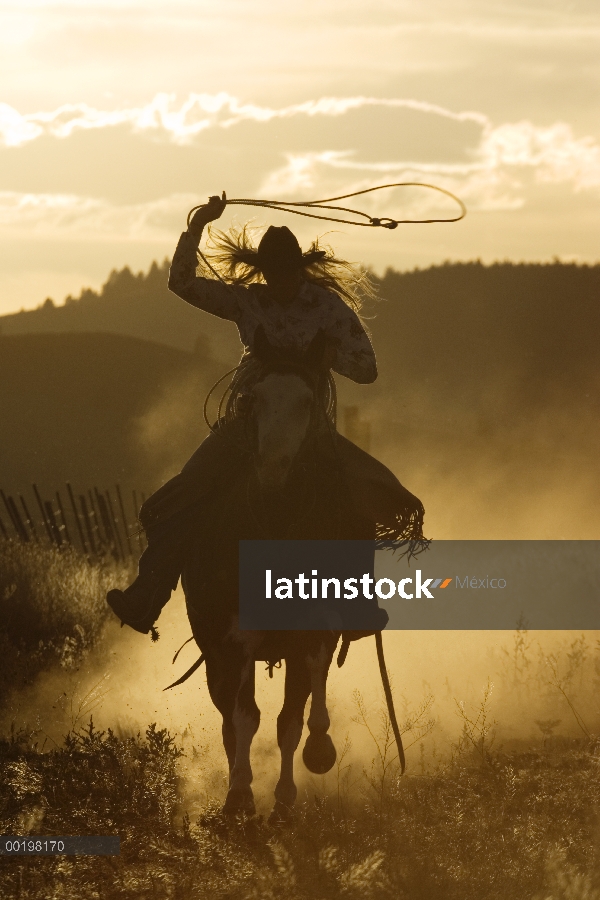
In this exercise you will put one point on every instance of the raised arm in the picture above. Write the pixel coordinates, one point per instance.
(208, 294)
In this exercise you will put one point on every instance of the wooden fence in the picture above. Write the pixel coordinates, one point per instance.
(99, 524)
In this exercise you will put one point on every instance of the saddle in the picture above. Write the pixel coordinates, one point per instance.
(373, 488)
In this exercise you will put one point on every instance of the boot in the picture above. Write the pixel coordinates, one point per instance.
(160, 566)
(140, 605)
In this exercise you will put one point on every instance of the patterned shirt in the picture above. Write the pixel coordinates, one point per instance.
(293, 326)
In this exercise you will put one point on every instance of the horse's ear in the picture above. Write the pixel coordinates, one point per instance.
(262, 349)
(320, 352)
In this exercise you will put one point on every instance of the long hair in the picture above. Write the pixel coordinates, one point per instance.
(234, 256)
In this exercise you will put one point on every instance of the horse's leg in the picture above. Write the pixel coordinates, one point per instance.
(290, 722)
(222, 675)
(230, 679)
(222, 678)
(319, 753)
(246, 719)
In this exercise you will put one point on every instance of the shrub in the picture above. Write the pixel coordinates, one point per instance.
(52, 608)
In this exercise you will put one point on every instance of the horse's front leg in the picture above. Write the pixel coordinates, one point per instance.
(230, 678)
(290, 722)
(319, 753)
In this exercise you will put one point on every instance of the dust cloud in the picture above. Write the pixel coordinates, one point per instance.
(121, 685)
(168, 431)
(504, 456)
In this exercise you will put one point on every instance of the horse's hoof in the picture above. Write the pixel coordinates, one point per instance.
(281, 815)
(239, 802)
(319, 753)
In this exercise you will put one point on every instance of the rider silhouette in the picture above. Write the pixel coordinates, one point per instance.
(288, 297)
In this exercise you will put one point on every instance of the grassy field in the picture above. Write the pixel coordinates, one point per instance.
(522, 825)
(480, 821)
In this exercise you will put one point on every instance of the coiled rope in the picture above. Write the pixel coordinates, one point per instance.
(373, 222)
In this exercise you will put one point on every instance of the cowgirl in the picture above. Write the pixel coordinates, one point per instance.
(287, 297)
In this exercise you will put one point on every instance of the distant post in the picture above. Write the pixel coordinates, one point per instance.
(356, 428)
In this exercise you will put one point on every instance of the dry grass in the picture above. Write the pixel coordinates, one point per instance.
(523, 825)
(52, 609)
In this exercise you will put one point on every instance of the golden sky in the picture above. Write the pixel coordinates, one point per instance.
(116, 117)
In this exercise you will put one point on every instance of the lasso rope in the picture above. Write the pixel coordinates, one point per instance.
(373, 222)
(387, 690)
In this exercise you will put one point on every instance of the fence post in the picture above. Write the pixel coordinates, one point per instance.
(51, 519)
(19, 521)
(115, 525)
(44, 519)
(16, 522)
(101, 540)
(88, 523)
(125, 525)
(112, 544)
(30, 521)
(64, 519)
(76, 515)
(136, 512)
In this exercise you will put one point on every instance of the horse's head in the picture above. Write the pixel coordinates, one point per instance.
(284, 403)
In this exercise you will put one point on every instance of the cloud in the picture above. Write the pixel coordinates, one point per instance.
(554, 152)
(197, 113)
(503, 165)
(73, 217)
(498, 172)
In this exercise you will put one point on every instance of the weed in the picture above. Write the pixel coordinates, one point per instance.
(565, 882)
(563, 678)
(469, 833)
(52, 609)
(517, 662)
(477, 728)
(384, 766)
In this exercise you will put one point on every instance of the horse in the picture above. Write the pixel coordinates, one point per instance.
(286, 487)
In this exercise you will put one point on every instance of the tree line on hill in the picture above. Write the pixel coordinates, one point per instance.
(477, 364)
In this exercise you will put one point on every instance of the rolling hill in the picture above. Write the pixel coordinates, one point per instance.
(488, 393)
(139, 306)
(83, 407)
